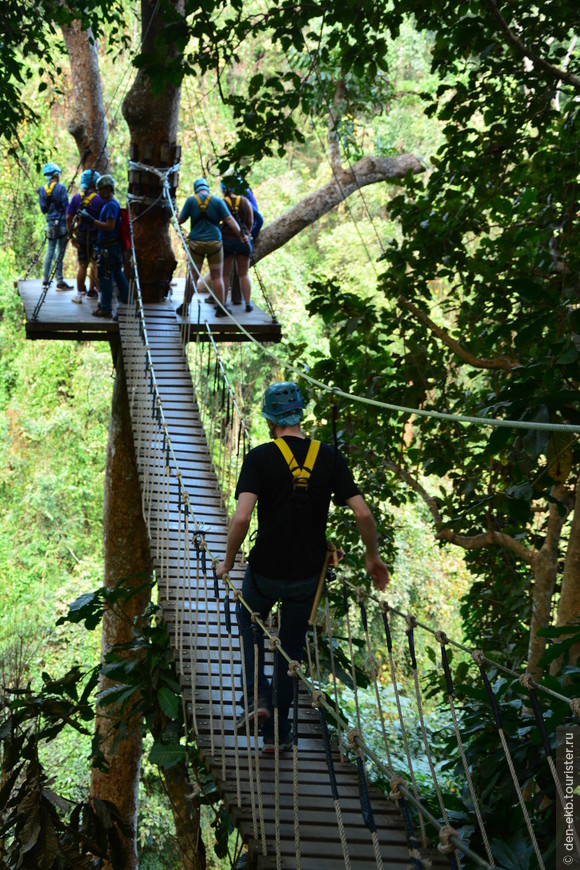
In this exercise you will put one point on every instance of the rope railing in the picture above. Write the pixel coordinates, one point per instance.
(180, 540)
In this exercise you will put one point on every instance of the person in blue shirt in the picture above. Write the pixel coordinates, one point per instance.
(85, 233)
(110, 251)
(53, 202)
(207, 213)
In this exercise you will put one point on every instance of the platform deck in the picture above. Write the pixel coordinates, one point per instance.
(60, 318)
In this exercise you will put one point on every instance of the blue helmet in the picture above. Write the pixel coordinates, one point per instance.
(283, 404)
(89, 178)
(50, 169)
(200, 184)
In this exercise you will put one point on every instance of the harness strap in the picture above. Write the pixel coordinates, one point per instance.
(301, 474)
(49, 187)
(203, 203)
(85, 200)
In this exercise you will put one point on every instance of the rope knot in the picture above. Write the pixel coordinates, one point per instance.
(275, 642)
(317, 697)
(411, 621)
(360, 594)
(384, 606)
(527, 681)
(352, 736)
(293, 668)
(441, 637)
(445, 834)
(477, 656)
(575, 706)
(238, 595)
(396, 782)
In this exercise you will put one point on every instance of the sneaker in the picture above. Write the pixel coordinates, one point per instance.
(62, 285)
(103, 312)
(219, 312)
(78, 298)
(285, 744)
(182, 310)
(92, 293)
(262, 713)
(249, 306)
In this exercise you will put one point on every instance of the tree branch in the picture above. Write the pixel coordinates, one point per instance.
(504, 363)
(414, 484)
(368, 170)
(488, 539)
(519, 45)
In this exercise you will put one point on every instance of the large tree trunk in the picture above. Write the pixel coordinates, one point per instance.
(127, 559)
(152, 119)
(88, 125)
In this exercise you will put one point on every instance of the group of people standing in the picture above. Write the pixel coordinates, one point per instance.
(92, 221)
(222, 231)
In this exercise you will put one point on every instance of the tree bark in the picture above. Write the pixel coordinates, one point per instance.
(88, 126)
(368, 170)
(186, 815)
(569, 606)
(152, 120)
(127, 559)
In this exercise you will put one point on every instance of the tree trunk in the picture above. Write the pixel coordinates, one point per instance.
(88, 126)
(152, 119)
(569, 607)
(186, 815)
(127, 559)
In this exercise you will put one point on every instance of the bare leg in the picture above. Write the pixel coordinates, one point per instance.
(81, 275)
(217, 283)
(227, 275)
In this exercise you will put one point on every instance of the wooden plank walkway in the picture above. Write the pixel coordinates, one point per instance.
(60, 318)
(206, 654)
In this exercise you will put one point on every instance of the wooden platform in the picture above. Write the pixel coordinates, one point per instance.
(206, 655)
(60, 318)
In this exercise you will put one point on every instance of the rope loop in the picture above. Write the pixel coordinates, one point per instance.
(352, 736)
(317, 698)
(360, 594)
(445, 844)
(396, 782)
(237, 593)
(275, 642)
(441, 637)
(411, 622)
(575, 706)
(384, 606)
(255, 617)
(478, 657)
(526, 680)
(293, 668)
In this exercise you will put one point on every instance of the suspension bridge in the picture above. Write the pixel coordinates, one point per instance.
(314, 807)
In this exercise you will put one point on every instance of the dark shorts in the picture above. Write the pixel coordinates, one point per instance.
(234, 246)
(86, 250)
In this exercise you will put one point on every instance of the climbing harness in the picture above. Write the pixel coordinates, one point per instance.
(301, 474)
(203, 204)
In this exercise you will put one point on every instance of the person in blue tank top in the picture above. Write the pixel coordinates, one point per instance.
(207, 213)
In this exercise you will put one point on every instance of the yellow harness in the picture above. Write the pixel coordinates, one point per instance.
(301, 474)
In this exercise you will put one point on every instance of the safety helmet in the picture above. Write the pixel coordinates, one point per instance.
(105, 181)
(50, 169)
(89, 178)
(200, 184)
(231, 181)
(283, 404)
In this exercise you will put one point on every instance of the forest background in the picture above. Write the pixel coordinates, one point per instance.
(324, 285)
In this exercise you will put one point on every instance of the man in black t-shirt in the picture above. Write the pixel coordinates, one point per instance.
(290, 549)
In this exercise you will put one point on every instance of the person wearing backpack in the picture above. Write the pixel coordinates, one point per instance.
(234, 249)
(53, 202)
(291, 479)
(109, 247)
(206, 214)
(85, 233)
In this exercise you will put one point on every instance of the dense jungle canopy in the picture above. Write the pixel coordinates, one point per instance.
(418, 170)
